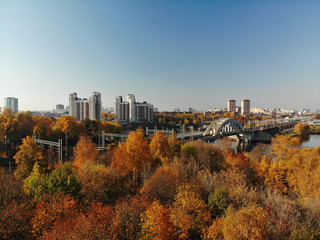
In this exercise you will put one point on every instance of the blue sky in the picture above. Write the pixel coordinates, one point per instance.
(174, 54)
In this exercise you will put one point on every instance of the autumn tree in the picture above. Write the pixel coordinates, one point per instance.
(99, 183)
(156, 223)
(8, 121)
(247, 223)
(284, 147)
(50, 210)
(174, 144)
(15, 208)
(316, 116)
(133, 158)
(93, 223)
(85, 151)
(163, 184)
(200, 156)
(302, 129)
(304, 173)
(43, 127)
(126, 223)
(24, 126)
(110, 127)
(189, 213)
(274, 170)
(69, 125)
(159, 146)
(15, 219)
(283, 214)
(29, 153)
(240, 192)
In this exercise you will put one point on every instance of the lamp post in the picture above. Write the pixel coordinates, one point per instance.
(66, 135)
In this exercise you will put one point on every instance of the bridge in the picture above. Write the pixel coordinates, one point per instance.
(225, 127)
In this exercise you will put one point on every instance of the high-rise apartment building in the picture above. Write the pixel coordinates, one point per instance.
(132, 111)
(95, 106)
(245, 107)
(11, 102)
(84, 109)
(231, 105)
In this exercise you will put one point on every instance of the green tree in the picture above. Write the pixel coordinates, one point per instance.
(60, 181)
(219, 200)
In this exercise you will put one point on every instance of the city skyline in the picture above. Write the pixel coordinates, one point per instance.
(174, 54)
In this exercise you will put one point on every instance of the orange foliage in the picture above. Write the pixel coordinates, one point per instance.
(302, 129)
(126, 223)
(85, 151)
(284, 147)
(189, 213)
(133, 157)
(156, 223)
(247, 223)
(163, 184)
(93, 224)
(68, 124)
(159, 146)
(50, 210)
(214, 232)
(238, 160)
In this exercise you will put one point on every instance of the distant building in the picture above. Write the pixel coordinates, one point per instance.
(245, 107)
(60, 110)
(59, 106)
(231, 105)
(95, 106)
(11, 102)
(177, 110)
(132, 111)
(84, 109)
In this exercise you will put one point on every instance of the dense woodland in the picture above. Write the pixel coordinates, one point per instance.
(156, 188)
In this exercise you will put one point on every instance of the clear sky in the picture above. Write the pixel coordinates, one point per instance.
(173, 54)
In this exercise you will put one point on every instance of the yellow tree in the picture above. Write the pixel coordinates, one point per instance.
(85, 151)
(284, 147)
(42, 127)
(174, 144)
(156, 223)
(304, 173)
(69, 125)
(247, 223)
(29, 153)
(189, 214)
(110, 127)
(8, 121)
(302, 129)
(133, 157)
(159, 146)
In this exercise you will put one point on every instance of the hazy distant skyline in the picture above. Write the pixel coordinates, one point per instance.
(173, 54)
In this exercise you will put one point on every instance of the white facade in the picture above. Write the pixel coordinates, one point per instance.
(232, 105)
(95, 106)
(132, 111)
(11, 102)
(245, 107)
(84, 109)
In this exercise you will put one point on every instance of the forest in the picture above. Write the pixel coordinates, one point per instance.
(157, 188)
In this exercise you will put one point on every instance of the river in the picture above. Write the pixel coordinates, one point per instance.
(311, 142)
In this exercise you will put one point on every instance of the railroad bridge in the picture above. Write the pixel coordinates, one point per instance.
(253, 130)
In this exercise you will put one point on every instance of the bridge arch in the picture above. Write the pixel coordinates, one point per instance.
(224, 127)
